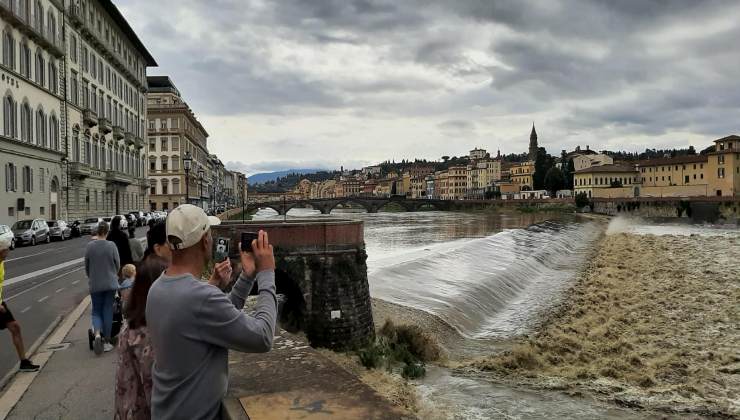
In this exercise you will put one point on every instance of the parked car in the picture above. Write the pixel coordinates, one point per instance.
(31, 231)
(130, 219)
(75, 228)
(90, 225)
(5, 232)
(58, 229)
(139, 218)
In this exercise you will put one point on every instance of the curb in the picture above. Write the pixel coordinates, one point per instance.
(22, 381)
(32, 350)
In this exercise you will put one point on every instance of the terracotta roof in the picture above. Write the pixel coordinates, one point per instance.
(606, 168)
(678, 160)
(731, 137)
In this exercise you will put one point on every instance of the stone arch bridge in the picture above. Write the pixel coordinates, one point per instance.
(373, 204)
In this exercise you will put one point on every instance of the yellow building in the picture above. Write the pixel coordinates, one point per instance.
(606, 181)
(723, 167)
(303, 189)
(457, 182)
(680, 176)
(521, 174)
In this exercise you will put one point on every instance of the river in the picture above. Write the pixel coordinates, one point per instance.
(489, 276)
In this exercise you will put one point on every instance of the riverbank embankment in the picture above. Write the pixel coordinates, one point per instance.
(651, 323)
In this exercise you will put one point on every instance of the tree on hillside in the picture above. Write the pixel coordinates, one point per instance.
(570, 168)
(554, 180)
(542, 164)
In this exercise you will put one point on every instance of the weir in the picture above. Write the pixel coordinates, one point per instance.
(321, 270)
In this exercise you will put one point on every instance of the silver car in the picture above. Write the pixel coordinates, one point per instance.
(31, 231)
(5, 232)
(90, 225)
(58, 229)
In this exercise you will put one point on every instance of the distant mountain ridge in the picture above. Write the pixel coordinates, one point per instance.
(261, 178)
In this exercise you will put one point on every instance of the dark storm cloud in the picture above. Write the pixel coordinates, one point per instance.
(626, 67)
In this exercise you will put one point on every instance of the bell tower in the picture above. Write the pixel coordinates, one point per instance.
(533, 144)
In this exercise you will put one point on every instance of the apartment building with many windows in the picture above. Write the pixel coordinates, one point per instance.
(105, 74)
(173, 133)
(31, 147)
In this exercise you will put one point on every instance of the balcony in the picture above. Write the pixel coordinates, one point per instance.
(89, 117)
(33, 29)
(129, 137)
(116, 177)
(138, 143)
(104, 125)
(117, 132)
(78, 169)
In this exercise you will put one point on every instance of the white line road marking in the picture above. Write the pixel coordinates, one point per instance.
(43, 299)
(31, 255)
(48, 270)
(25, 309)
(41, 284)
(59, 290)
(75, 282)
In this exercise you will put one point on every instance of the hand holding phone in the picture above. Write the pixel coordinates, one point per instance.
(258, 256)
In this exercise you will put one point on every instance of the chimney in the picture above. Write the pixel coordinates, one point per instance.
(578, 148)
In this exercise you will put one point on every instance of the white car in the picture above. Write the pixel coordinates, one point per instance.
(124, 221)
(6, 232)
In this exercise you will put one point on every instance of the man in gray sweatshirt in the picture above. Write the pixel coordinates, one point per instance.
(192, 324)
(101, 266)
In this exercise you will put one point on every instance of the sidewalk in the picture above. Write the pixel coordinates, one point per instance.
(74, 384)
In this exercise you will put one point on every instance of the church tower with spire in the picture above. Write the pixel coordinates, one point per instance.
(533, 144)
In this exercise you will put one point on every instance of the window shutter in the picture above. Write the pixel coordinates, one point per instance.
(30, 180)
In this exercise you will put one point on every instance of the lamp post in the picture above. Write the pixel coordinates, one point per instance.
(200, 182)
(187, 161)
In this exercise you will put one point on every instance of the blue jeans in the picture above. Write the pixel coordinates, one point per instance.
(102, 311)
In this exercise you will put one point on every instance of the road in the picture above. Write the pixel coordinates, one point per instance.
(41, 283)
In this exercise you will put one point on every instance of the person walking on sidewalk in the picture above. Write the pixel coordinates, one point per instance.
(193, 324)
(120, 238)
(135, 354)
(102, 264)
(6, 317)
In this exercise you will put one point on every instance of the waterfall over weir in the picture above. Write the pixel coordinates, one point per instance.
(490, 287)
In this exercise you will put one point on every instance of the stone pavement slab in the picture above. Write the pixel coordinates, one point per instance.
(294, 381)
(74, 384)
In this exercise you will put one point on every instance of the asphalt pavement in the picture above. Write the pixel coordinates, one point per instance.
(42, 282)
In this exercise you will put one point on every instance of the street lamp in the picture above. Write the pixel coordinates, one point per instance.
(187, 162)
(200, 181)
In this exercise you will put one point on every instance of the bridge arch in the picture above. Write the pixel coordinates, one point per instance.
(350, 200)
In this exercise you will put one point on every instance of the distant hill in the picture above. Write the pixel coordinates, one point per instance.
(272, 176)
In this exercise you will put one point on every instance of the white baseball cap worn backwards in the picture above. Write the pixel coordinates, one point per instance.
(187, 224)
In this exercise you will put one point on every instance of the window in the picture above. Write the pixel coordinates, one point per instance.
(53, 82)
(164, 186)
(73, 48)
(26, 61)
(10, 117)
(40, 68)
(88, 151)
(73, 88)
(175, 163)
(41, 128)
(53, 133)
(163, 124)
(85, 66)
(164, 143)
(721, 159)
(11, 211)
(152, 187)
(26, 123)
(76, 145)
(175, 143)
(52, 27)
(8, 50)
(165, 161)
(175, 186)
(27, 179)
(11, 177)
(38, 20)
(152, 163)
(152, 144)
(720, 172)
(42, 181)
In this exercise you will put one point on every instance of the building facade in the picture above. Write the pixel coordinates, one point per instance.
(606, 181)
(522, 174)
(105, 74)
(174, 133)
(31, 145)
(73, 110)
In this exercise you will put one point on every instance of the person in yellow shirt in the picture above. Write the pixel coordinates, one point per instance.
(6, 317)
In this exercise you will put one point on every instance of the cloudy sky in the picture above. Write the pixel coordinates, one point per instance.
(324, 83)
